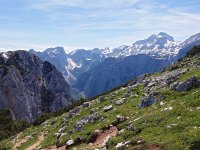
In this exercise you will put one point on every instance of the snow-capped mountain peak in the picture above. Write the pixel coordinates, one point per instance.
(160, 38)
(159, 45)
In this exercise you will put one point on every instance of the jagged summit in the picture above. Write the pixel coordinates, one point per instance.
(55, 51)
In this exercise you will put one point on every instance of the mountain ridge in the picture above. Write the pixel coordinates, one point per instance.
(77, 63)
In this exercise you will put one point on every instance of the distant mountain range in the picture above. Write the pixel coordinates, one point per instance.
(90, 71)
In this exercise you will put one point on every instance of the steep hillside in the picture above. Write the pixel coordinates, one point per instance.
(30, 87)
(155, 111)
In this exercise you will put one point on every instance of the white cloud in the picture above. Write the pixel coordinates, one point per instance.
(117, 14)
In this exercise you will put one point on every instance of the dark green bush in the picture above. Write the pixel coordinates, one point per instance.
(42, 118)
(174, 66)
(9, 127)
(195, 145)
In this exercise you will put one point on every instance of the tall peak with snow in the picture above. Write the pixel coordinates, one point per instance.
(160, 45)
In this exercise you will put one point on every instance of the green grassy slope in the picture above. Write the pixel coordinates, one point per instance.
(172, 123)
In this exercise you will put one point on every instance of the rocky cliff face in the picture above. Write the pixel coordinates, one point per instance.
(29, 86)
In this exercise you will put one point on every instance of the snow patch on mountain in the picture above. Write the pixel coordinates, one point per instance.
(71, 64)
(5, 55)
(70, 76)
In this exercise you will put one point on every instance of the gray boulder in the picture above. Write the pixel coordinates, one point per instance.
(122, 145)
(102, 99)
(69, 143)
(100, 119)
(69, 115)
(146, 83)
(107, 108)
(78, 126)
(147, 102)
(76, 110)
(119, 102)
(90, 119)
(73, 111)
(151, 99)
(120, 118)
(186, 85)
(58, 135)
(61, 130)
(86, 104)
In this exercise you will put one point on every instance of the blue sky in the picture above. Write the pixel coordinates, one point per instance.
(39, 24)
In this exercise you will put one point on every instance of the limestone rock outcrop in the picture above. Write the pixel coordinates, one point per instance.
(30, 86)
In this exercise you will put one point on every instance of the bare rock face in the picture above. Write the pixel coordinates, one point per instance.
(30, 87)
